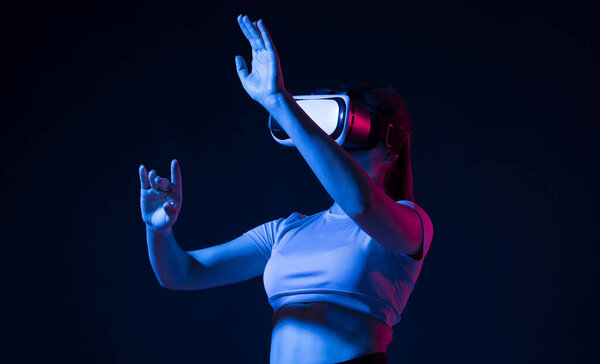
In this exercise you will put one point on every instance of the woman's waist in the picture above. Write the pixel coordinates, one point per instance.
(322, 324)
(352, 303)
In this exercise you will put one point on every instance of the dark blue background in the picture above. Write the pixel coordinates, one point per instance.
(505, 102)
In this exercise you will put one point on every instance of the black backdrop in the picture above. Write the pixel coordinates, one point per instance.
(504, 98)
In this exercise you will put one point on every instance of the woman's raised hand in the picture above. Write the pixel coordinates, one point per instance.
(265, 81)
(160, 199)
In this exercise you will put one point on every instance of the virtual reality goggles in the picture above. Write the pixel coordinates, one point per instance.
(345, 122)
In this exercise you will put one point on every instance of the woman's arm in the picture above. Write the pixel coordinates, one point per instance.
(342, 177)
(169, 262)
(160, 204)
(175, 268)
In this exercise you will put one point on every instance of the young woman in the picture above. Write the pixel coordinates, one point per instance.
(338, 279)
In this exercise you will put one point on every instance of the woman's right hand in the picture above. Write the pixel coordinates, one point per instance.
(160, 199)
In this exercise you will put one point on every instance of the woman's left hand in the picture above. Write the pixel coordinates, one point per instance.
(265, 82)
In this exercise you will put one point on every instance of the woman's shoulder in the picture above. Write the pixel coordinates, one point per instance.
(415, 206)
(424, 216)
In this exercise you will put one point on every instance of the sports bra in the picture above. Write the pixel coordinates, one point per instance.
(327, 257)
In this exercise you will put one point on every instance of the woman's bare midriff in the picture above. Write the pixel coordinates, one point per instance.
(318, 332)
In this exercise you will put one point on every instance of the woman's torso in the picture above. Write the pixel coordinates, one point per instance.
(320, 332)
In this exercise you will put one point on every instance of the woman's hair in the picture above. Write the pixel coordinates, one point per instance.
(386, 105)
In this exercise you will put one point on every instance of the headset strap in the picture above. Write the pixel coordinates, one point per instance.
(388, 135)
(394, 137)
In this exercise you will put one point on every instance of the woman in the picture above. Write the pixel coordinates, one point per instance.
(338, 279)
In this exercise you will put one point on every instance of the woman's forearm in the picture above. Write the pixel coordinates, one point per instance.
(341, 176)
(169, 262)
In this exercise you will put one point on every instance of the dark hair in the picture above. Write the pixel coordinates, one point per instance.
(386, 105)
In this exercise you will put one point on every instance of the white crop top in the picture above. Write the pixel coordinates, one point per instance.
(329, 258)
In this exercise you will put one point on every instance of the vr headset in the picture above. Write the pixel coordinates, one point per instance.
(345, 122)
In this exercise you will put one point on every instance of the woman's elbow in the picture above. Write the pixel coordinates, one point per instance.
(171, 284)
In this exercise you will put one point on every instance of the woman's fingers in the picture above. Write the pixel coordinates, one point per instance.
(241, 67)
(169, 209)
(256, 42)
(176, 175)
(152, 177)
(256, 33)
(163, 183)
(246, 32)
(266, 36)
(152, 180)
(144, 178)
(243, 28)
